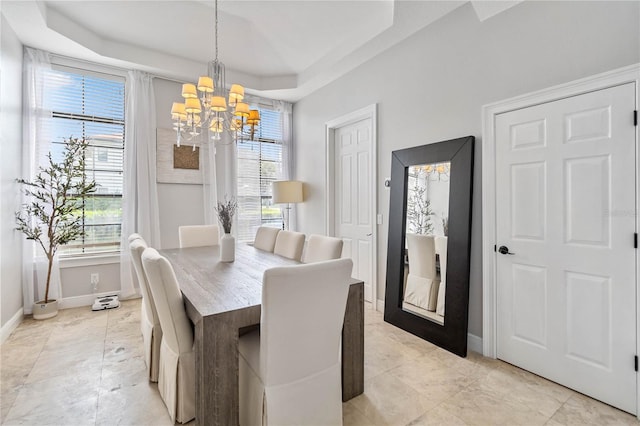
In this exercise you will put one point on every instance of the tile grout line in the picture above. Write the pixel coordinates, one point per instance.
(104, 348)
(26, 378)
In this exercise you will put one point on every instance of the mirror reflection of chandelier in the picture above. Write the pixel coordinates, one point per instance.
(209, 105)
(436, 170)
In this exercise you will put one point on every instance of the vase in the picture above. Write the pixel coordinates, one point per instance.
(227, 248)
(43, 310)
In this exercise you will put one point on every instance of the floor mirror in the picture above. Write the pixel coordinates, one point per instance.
(427, 288)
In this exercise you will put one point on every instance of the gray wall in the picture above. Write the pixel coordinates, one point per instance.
(431, 87)
(10, 169)
(179, 204)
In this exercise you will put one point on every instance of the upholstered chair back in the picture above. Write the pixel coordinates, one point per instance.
(289, 244)
(150, 323)
(266, 238)
(295, 380)
(176, 381)
(320, 248)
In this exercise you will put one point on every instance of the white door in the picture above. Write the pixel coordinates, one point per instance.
(353, 192)
(565, 209)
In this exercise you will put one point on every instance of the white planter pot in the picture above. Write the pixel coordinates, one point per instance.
(43, 310)
(227, 248)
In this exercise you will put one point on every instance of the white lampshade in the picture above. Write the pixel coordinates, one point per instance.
(287, 191)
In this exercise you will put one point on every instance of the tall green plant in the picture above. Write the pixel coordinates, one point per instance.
(54, 197)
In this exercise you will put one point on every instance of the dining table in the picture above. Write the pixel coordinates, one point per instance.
(223, 301)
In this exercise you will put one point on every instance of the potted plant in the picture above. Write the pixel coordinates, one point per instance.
(226, 210)
(49, 215)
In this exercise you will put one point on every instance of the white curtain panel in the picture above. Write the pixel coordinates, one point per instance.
(140, 195)
(226, 177)
(286, 109)
(209, 180)
(35, 146)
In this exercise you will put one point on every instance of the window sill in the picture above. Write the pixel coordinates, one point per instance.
(80, 261)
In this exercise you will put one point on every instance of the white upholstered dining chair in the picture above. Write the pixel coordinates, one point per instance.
(199, 235)
(176, 379)
(266, 238)
(421, 289)
(290, 370)
(289, 244)
(149, 321)
(320, 247)
(135, 236)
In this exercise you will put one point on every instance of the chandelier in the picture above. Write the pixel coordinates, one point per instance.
(435, 171)
(209, 105)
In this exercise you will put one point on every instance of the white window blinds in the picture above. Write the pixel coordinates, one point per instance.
(260, 162)
(88, 105)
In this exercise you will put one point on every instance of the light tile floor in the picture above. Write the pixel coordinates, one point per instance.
(87, 368)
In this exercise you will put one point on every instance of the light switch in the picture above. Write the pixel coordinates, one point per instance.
(379, 219)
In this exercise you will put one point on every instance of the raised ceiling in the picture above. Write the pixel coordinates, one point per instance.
(280, 49)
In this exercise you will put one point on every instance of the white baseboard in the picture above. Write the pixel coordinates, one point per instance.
(84, 300)
(474, 343)
(380, 306)
(11, 325)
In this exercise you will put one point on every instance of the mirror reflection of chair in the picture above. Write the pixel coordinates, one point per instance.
(198, 235)
(422, 287)
(321, 247)
(441, 251)
(176, 378)
(149, 321)
(266, 238)
(290, 370)
(289, 244)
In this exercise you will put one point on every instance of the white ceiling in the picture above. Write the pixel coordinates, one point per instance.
(280, 49)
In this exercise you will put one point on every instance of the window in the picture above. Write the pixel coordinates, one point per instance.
(260, 162)
(90, 106)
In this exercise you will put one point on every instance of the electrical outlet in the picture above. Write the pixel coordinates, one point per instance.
(95, 279)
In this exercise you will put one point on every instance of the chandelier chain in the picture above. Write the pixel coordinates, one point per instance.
(216, 28)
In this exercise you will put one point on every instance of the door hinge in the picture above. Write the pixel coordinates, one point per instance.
(635, 117)
(635, 362)
(635, 240)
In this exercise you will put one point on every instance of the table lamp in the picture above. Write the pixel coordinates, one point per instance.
(287, 192)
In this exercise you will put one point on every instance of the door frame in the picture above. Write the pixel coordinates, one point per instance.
(368, 112)
(628, 74)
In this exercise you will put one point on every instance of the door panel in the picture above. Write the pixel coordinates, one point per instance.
(530, 304)
(353, 187)
(566, 197)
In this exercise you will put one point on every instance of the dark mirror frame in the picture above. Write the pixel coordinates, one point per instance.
(451, 336)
